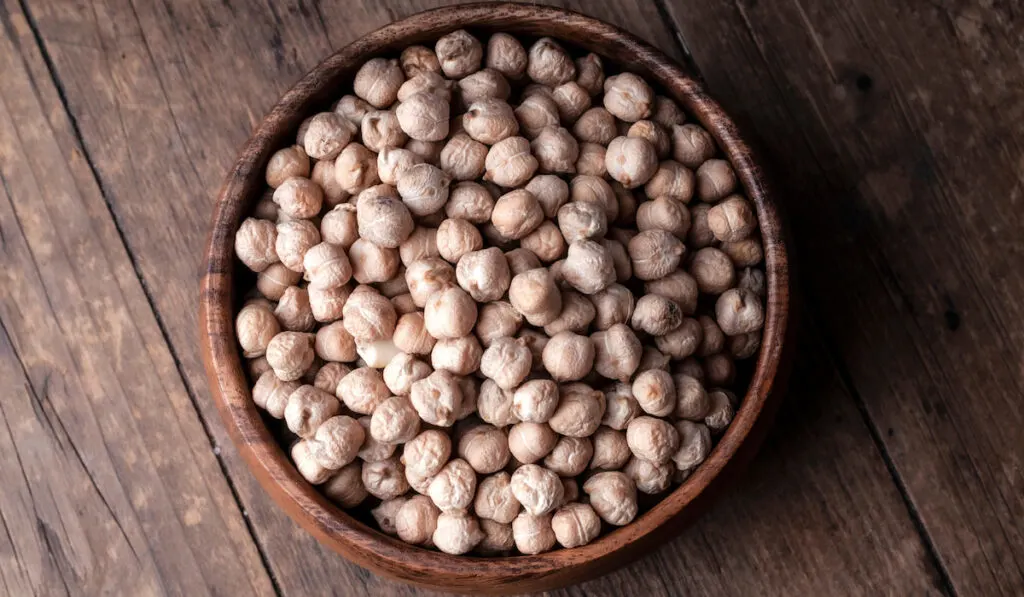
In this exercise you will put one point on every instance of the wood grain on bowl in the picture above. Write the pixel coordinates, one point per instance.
(392, 557)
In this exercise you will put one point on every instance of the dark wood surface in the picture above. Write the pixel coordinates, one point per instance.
(893, 128)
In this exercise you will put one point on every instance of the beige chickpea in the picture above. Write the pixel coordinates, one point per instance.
(546, 242)
(485, 448)
(336, 441)
(628, 97)
(596, 125)
(691, 145)
(372, 262)
(457, 237)
(427, 277)
(271, 393)
(485, 83)
(692, 401)
(632, 161)
(498, 538)
(612, 305)
(507, 361)
(428, 151)
(363, 390)
(650, 477)
(463, 158)
(437, 398)
(334, 343)
(328, 304)
(428, 452)
(620, 259)
(694, 444)
(454, 486)
(255, 244)
(537, 113)
(385, 479)
(667, 113)
(496, 320)
(394, 421)
(732, 220)
(377, 81)
(612, 496)
(307, 466)
(611, 450)
(355, 170)
(575, 524)
(299, 197)
(591, 160)
(713, 271)
(424, 188)
(506, 55)
(550, 191)
(290, 354)
(588, 267)
(700, 235)
(577, 313)
(579, 410)
(326, 135)
(744, 346)
(596, 190)
(402, 371)
(377, 354)
(352, 108)
(656, 315)
(457, 532)
(516, 214)
(655, 254)
(582, 220)
(418, 59)
(535, 401)
(494, 404)
(392, 163)
(549, 64)
(621, 407)
(570, 456)
(294, 311)
(307, 408)
(424, 117)
(617, 352)
(538, 489)
(373, 450)
(653, 133)
(556, 150)
(534, 294)
(739, 312)
(509, 162)
(719, 370)
(323, 176)
(683, 341)
(470, 201)
(286, 163)
(521, 260)
(625, 207)
(275, 279)
(396, 286)
(713, 338)
(346, 487)
(256, 326)
(652, 439)
(572, 101)
(330, 375)
(533, 534)
(568, 356)
(655, 391)
(664, 213)
(386, 513)
(339, 226)
(470, 387)
(484, 274)
(679, 287)
(530, 442)
(490, 120)
(411, 335)
(380, 130)
(369, 317)
(715, 180)
(450, 313)
(416, 520)
(653, 359)
(429, 83)
(326, 266)
(744, 253)
(459, 54)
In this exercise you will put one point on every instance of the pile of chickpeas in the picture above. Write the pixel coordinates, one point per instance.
(498, 294)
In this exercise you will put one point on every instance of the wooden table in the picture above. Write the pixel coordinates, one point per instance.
(894, 130)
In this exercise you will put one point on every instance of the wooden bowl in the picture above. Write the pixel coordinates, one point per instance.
(353, 539)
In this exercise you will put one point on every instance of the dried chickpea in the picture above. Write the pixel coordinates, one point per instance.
(568, 356)
(494, 404)
(454, 486)
(692, 401)
(402, 371)
(485, 448)
(713, 271)
(457, 237)
(575, 524)
(385, 479)
(655, 254)
(732, 220)
(346, 487)
(691, 145)
(363, 390)
(386, 513)
(546, 242)
(613, 497)
(521, 260)
(588, 267)
(744, 346)
(392, 162)
(339, 226)
(628, 97)
(694, 444)
(498, 538)
(719, 370)
(650, 477)
(613, 305)
(486, 83)
(596, 125)
(577, 313)
(424, 188)
(271, 393)
(427, 277)
(535, 401)
(595, 190)
(682, 341)
(307, 466)
(572, 101)
(355, 170)
(256, 327)
(611, 450)
(380, 130)
(549, 64)
(377, 81)
(617, 352)
(369, 317)
(428, 452)
(739, 312)
(330, 375)
(423, 117)
(394, 421)
(667, 113)
(715, 180)
(429, 83)
(712, 337)
(308, 407)
(655, 391)
(590, 74)
(652, 439)
(679, 286)
(416, 520)
(490, 120)
(419, 483)
(294, 311)
(457, 532)
(570, 456)
(484, 274)
(671, 181)
(579, 411)
(534, 294)
(286, 163)
(536, 113)
(620, 259)
(556, 150)
(299, 198)
(290, 354)
(656, 315)
(450, 313)
(265, 208)
(507, 361)
(506, 55)
(428, 151)
(621, 407)
(411, 335)
(653, 133)
(529, 442)
(326, 266)
(581, 220)
(495, 320)
(328, 304)
(459, 54)
(334, 343)
(460, 356)
(255, 244)
(373, 450)
(533, 534)
(336, 440)
(591, 160)
(323, 176)
(372, 262)
(653, 359)
(352, 108)
(437, 398)
(509, 162)
(744, 253)
(632, 161)
(470, 387)
(418, 59)
(700, 235)
(463, 158)
(470, 201)
(538, 489)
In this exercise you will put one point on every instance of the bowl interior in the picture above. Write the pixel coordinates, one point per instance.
(346, 533)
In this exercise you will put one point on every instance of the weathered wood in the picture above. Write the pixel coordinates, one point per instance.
(110, 487)
(165, 96)
(896, 131)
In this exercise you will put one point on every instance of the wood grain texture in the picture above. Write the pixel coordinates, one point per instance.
(899, 124)
(110, 487)
(165, 93)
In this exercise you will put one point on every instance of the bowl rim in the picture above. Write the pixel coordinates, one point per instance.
(268, 461)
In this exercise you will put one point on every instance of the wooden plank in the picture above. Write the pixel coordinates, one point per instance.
(162, 109)
(896, 130)
(110, 486)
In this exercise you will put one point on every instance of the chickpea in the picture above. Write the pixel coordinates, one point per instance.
(534, 294)
(456, 237)
(460, 356)
(334, 343)
(744, 346)
(454, 486)
(713, 339)
(556, 150)
(656, 315)
(719, 370)
(485, 448)
(694, 444)
(732, 220)
(380, 130)
(617, 352)
(373, 450)
(329, 376)
(739, 312)
(679, 287)
(428, 452)
(486, 83)
(516, 214)
(369, 317)
(535, 401)
(529, 442)
(655, 254)
(509, 162)
(328, 305)
(307, 408)
(700, 234)
(538, 489)
(423, 117)
(419, 59)
(653, 359)
(402, 371)
(744, 253)
(590, 74)
(323, 176)
(378, 80)
(294, 311)
(655, 392)
(494, 405)
(411, 335)
(346, 487)
(496, 320)
(363, 390)
(549, 64)
(588, 267)
(463, 158)
(650, 477)
(450, 313)
(392, 162)
(386, 513)
(575, 525)
(682, 341)
(533, 534)
(612, 305)
(428, 151)
(713, 271)
(582, 220)
(652, 439)
(498, 538)
(612, 496)
(469, 201)
(628, 97)
(506, 55)
(568, 356)
(355, 170)
(550, 191)
(299, 198)
(570, 456)
(429, 83)
(577, 313)
(416, 520)
(507, 361)
(294, 238)
(579, 411)
(490, 120)
(621, 407)
(290, 354)
(591, 160)
(286, 163)
(336, 441)
(340, 226)
(307, 466)
(653, 133)
(596, 190)
(275, 279)
(748, 279)
(457, 532)
(437, 398)
(632, 161)
(385, 479)
(611, 450)
(692, 401)
(691, 145)
(715, 180)
(572, 100)
(424, 188)
(521, 260)
(596, 125)
(256, 326)
(459, 53)
(427, 277)
(352, 109)
(271, 393)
